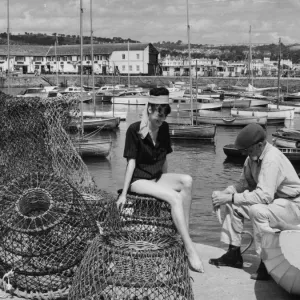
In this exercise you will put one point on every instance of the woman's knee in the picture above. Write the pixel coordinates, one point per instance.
(187, 181)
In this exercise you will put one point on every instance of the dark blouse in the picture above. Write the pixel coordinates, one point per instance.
(149, 158)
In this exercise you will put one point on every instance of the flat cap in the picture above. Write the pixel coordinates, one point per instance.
(250, 135)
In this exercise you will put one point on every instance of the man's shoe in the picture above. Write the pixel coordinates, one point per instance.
(261, 273)
(232, 258)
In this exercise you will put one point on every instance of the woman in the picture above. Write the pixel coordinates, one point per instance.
(146, 147)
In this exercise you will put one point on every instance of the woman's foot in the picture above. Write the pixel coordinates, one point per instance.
(195, 263)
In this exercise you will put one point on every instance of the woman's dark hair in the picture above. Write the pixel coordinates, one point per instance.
(160, 108)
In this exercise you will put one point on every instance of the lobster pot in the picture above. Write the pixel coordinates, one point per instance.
(117, 268)
(280, 253)
(98, 202)
(45, 228)
(141, 215)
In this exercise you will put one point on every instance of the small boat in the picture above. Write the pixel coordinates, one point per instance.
(86, 96)
(93, 147)
(236, 102)
(192, 132)
(183, 104)
(286, 138)
(258, 102)
(131, 98)
(292, 97)
(232, 152)
(230, 120)
(284, 105)
(40, 92)
(175, 92)
(92, 123)
(106, 114)
(262, 111)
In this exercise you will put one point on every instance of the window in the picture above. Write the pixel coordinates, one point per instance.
(130, 68)
(138, 68)
(137, 56)
(123, 68)
(20, 58)
(123, 56)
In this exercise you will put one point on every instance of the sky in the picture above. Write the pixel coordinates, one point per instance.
(211, 21)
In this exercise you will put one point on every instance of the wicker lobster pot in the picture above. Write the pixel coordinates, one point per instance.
(45, 228)
(117, 268)
(141, 216)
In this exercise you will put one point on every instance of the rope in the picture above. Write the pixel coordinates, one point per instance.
(250, 243)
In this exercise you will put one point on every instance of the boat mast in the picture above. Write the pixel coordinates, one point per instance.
(8, 50)
(81, 71)
(190, 66)
(92, 56)
(250, 58)
(278, 77)
(128, 63)
(55, 44)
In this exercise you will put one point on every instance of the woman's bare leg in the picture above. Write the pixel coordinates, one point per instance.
(183, 184)
(175, 200)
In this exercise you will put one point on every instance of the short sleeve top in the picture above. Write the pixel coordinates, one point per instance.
(149, 158)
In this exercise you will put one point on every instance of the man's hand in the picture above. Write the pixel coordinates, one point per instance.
(220, 198)
(121, 201)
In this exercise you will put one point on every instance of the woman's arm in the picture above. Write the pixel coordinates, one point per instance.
(128, 176)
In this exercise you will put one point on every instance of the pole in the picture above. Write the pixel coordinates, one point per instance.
(92, 56)
(250, 58)
(128, 62)
(8, 50)
(55, 44)
(81, 71)
(190, 66)
(278, 77)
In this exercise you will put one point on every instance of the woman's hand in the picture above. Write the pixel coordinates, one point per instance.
(121, 201)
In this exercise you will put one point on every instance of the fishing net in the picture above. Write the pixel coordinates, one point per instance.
(45, 230)
(142, 216)
(33, 139)
(117, 268)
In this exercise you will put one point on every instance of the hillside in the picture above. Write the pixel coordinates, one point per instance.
(179, 49)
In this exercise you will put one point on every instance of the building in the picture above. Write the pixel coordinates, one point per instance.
(134, 58)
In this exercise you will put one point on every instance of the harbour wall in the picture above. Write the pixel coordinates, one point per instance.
(290, 84)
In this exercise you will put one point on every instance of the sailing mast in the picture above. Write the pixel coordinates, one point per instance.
(190, 66)
(8, 50)
(278, 77)
(250, 58)
(128, 63)
(92, 56)
(81, 71)
(55, 45)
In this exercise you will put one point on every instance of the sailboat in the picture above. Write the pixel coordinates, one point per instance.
(90, 144)
(179, 129)
(274, 115)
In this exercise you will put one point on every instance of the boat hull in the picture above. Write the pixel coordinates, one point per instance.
(259, 112)
(106, 114)
(232, 152)
(97, 123)
(238, 103)
(90, 148)
(201, 132)
(292, 154)
(230, 121)
(130, 100)
(286, 105)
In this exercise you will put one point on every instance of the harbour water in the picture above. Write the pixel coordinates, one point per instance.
(204, 161)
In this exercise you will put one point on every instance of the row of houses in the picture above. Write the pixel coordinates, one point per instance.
(133, 59)
(175, 66)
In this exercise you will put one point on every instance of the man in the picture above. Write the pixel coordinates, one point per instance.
(268, 191)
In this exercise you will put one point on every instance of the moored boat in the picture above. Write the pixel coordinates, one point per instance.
(183, 104)
(284, 105)
(236, 102)
(93, 147)
(262, 111)
(232, 152)
(286, 138)
(293, 154)
(200, 132)
(106, 114)
(131, 98)
(230, 120)
(92, 123)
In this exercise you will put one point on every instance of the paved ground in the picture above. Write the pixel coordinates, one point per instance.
(227, 283)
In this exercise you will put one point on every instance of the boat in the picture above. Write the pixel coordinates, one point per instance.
(175, 92)
(289, 104)
(106, 114)
(89, 144)
(232, 152)
(292, 97)
(286, 138)
(236, 102)
(230, 120)
(39, 92)
(198, 132)
(131, 98)
(93, 147)
(293, 154)
(86, 96)
(272, 114)
(184, 104)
